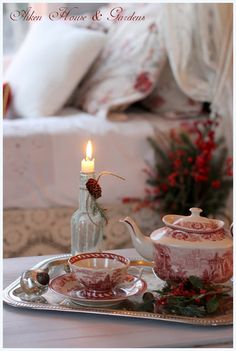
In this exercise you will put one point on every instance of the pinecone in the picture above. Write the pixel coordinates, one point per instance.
(94, 188)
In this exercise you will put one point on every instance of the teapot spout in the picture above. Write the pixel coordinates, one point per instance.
(142, 243)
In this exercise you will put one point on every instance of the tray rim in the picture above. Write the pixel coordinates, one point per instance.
(224, 320)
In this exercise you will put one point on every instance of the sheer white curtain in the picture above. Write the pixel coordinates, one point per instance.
(199, 43)
(14, 32)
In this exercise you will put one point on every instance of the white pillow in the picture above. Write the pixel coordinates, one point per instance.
(53, 59)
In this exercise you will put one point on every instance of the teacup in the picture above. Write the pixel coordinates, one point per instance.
(99, 271)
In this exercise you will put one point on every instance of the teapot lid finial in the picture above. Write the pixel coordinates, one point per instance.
(195, 211)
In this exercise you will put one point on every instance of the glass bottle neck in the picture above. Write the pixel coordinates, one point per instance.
(85, 201)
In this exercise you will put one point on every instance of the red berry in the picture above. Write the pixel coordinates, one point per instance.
(216, 184)
(203, 291)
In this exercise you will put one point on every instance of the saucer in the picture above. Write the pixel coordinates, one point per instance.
(68, 287)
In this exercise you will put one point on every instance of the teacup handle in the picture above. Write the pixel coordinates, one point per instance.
(136, 272)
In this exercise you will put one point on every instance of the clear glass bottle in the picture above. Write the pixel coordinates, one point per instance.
(87, 223)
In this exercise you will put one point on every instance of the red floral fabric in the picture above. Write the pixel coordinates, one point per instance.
(168, 100)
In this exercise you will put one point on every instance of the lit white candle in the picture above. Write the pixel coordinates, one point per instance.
(87, 165)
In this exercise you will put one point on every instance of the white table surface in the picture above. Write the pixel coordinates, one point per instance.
(24, 328)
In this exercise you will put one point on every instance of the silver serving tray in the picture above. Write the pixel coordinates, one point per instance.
(52, 302)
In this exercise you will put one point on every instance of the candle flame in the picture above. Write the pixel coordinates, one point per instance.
(89, 150)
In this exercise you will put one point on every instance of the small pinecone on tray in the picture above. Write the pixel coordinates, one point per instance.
(94, 188)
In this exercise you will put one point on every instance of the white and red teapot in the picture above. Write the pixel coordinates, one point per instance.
(185, 246)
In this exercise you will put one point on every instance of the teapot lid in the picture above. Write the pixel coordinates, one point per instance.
(193, 223)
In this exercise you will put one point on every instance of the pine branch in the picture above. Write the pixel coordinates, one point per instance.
(157, 149)
(186, 140)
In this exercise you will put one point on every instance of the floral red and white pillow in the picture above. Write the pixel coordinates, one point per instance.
(168, 100)
(129, 65)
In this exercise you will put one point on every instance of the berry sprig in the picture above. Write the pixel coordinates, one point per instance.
(193, 297)
(191, 167)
